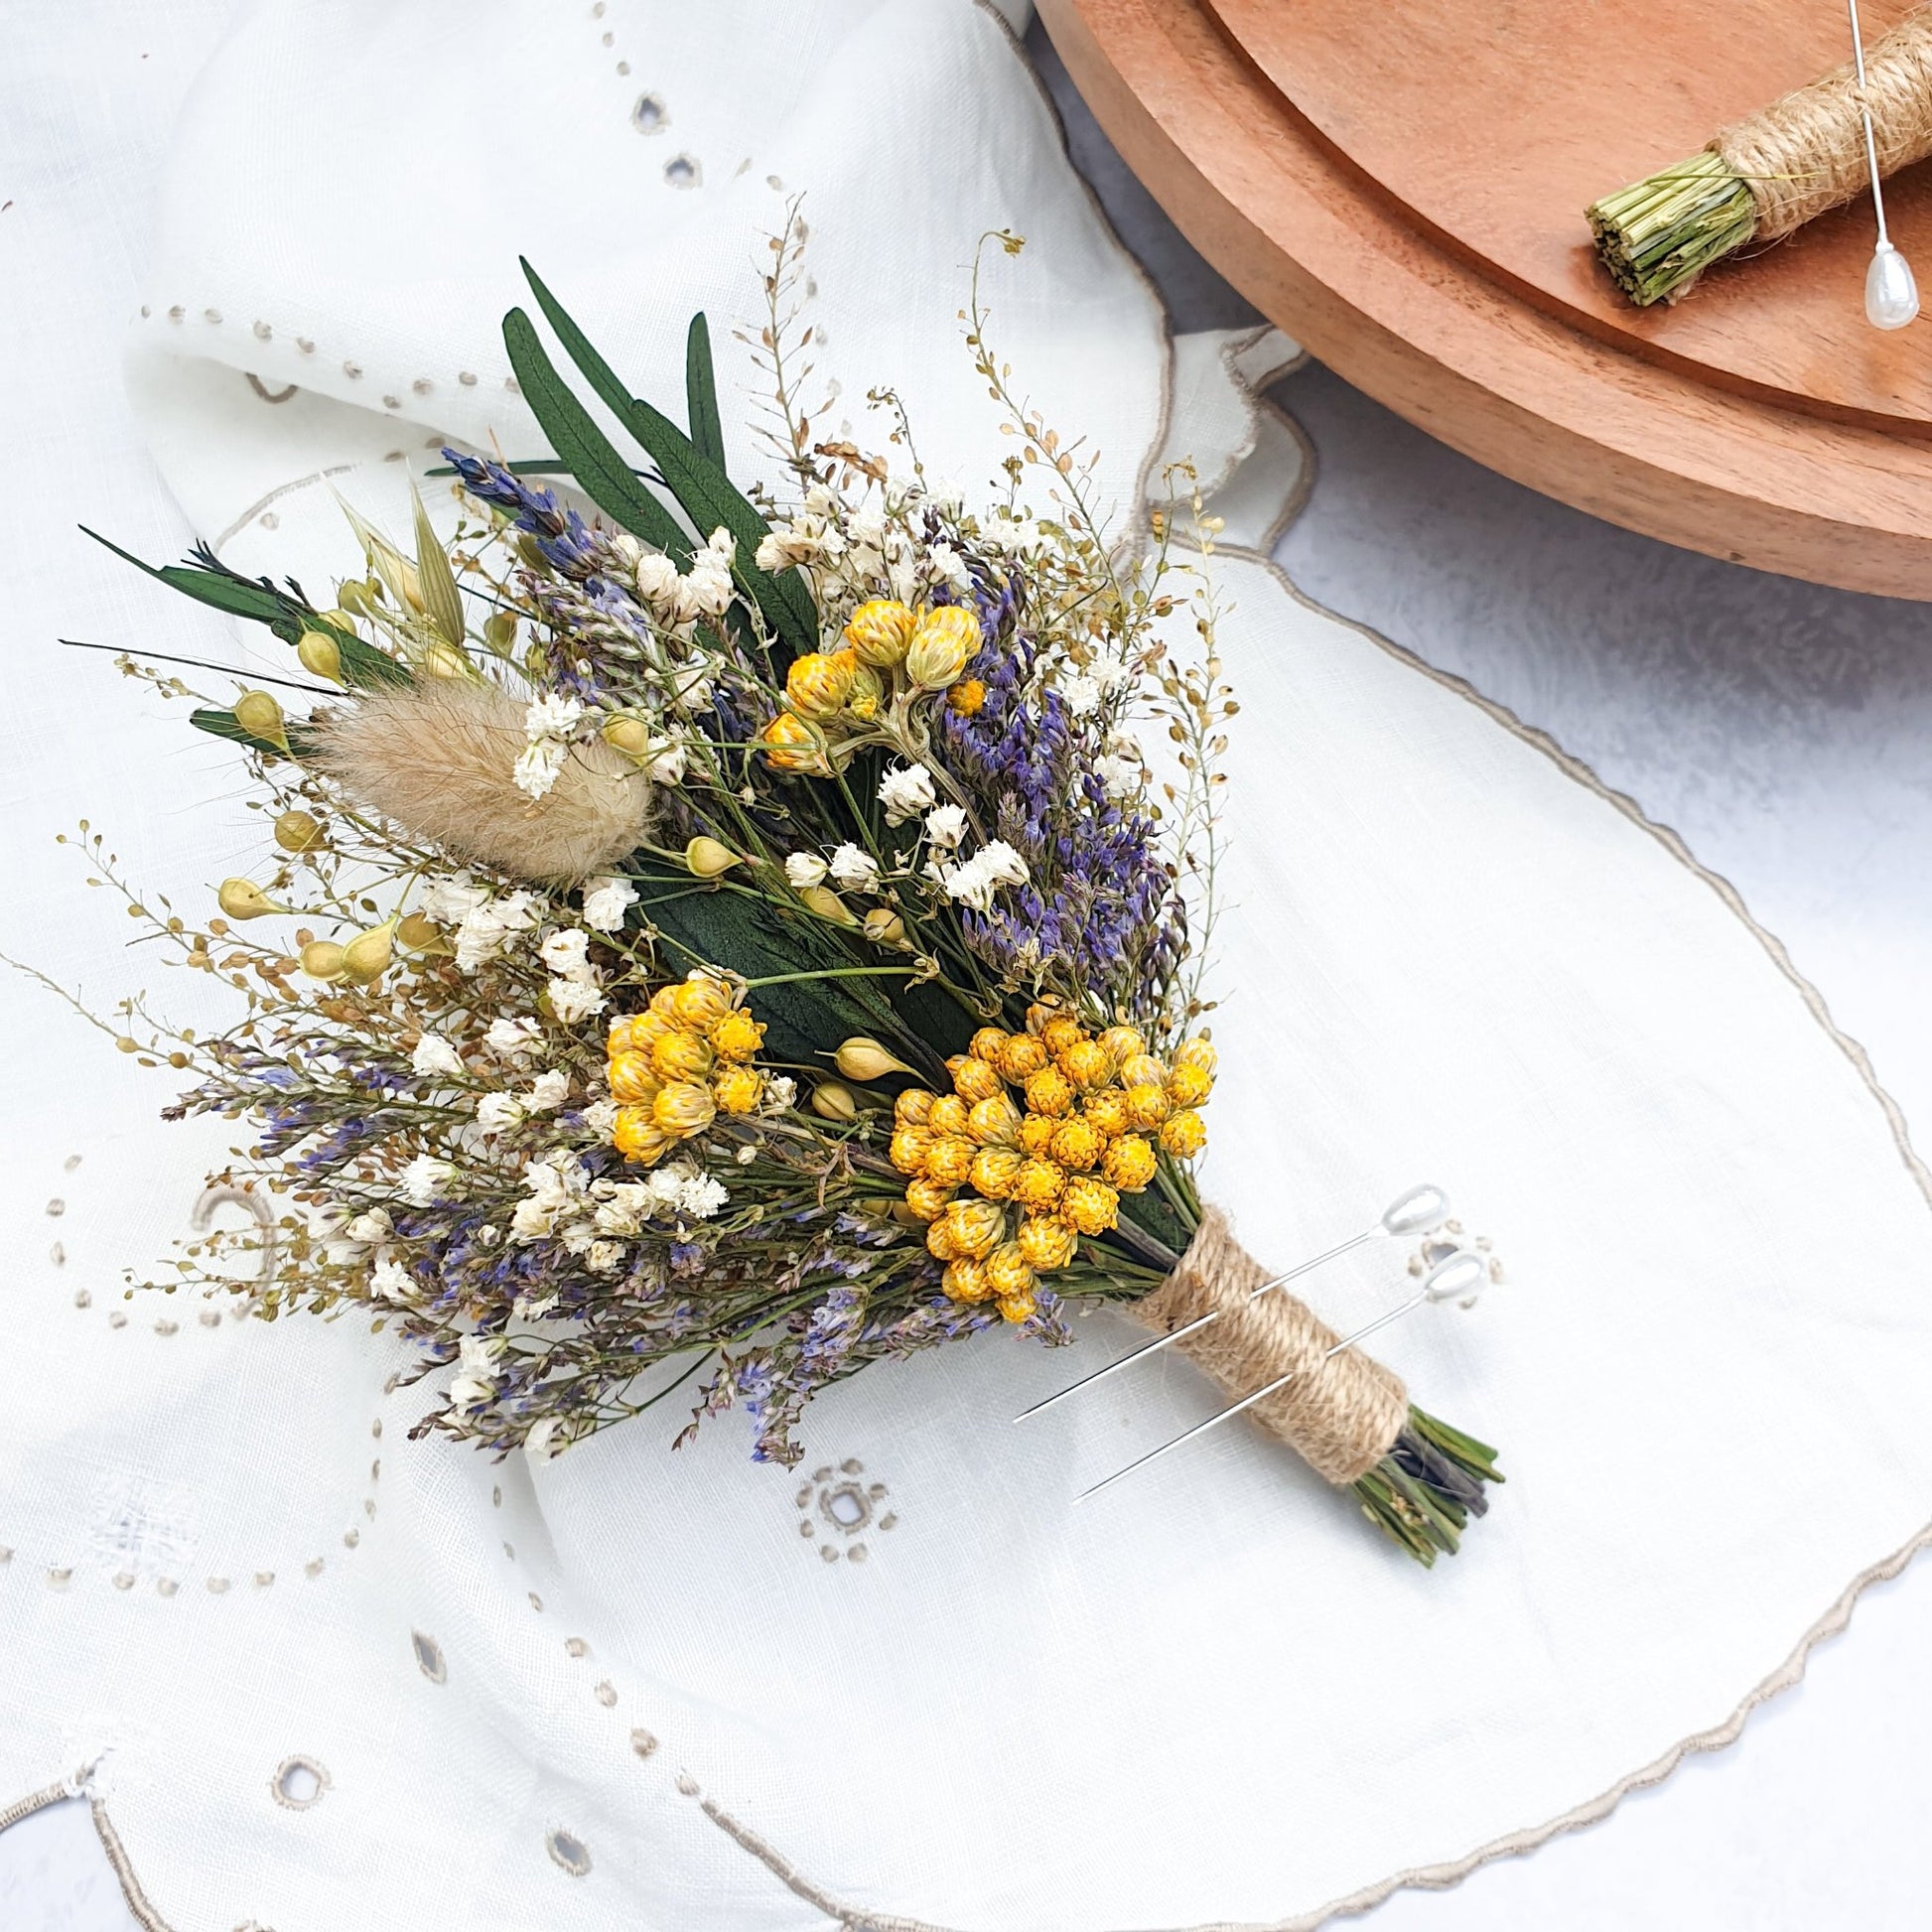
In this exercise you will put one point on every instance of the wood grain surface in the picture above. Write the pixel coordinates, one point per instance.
(1715, 438)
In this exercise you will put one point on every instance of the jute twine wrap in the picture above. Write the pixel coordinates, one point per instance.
(1805, 154)
(1341, 1416)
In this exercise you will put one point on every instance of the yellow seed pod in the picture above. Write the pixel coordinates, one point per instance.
(909, 1149)
(1185, 1134)
(682, 1109)
(880, 631)
(975, 1226)
(368, 956)
(1086, 1064)
(1046, 1242)
(682, 1056)
(421, 934)
(638, 1138)
(949, 1159)
(833, 1101)
(320, 655)
(1062, 1032)
(986, 1044)
(927, 1199)
(885, 927)
(1107, 1109)
(1148, 1104)
(965, 1280)
(297, 831)
(243, 899)
(792, 744)
(708, 858)
(818, 682)
(939, 1243)
(1188, 1086)
(828, 904)
(945, 641)
(1009, 1270)
(1121, 1043)
(261, 716)
(1141, 1070)
(967, 696)
(994, 1122)
(321, 959)
(864, 1058)
(499, 632)
(914, 1107)
(634, 1077)
(737, 1037)
(700, 1001)
(438, 658)
(1129, 1164)
(1089, 1205)
(631, 735)
(948, 1114)
(868, 694)
(994, 1170)
(1078, 1144)
(1197, 1052)
(1018, 1307)
(1037, 1133)
(1022, 1056)
(1050, 1091)
(1039, 1185)
(737, 1089)
(973, 1080)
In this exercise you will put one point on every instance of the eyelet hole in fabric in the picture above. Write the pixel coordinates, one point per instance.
(569, 1850)
(429, 1657)
(651, 115)
(298, 1783)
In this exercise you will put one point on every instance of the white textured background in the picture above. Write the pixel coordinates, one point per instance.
(1781, 728)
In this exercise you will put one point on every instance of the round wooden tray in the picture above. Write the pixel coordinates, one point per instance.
(1402, 190)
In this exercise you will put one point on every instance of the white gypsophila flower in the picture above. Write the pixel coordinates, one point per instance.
(427, 1180)
(625, 1207)
(486, 926)
(1118, 777)
(1003, 866)
(804, 870)
(655, 578)
(469, 1391)
(1080, 693)
(665, 757)
(601, 1257)
(434, 1055)
(566, 951)
(533, 1308)
(511, 1038)
(572, 1000)
(538, 766)
(552, 717)
(601, 1117)
(947, 825)
(450, 900)
(537, 1443)
(547, 1092)
(974, 881)
(497, 1111)
(606, 901)
(577, 1238)
(779, 1093)
(479, 1353)
(702, 1196)
(371, 1228)
(905, 791)
(854, 868)
(390, 1281)
(944, 565)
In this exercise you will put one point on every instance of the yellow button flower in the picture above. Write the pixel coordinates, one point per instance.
(986, 1044)
(1185, 1134)
(1188, 1086)
(683, 1109)
(975, 1226)
(636, 1138)
(1022, 1058)
(1047, 1243)
(948, 1114)
(1086, 1064)
(1078, 1144)
(1107, 1109)
(1121, 1043)
(945, 641)
(974, 1080)
(1050, 1091)
(791, 744)
(939, 1243)
(682, 1056)
(1007, 1271)
(634, 1077)
(1037, 1133)
(909, 1149)
(737, 1037)
(1129, 1164)
(1089, 1205)
(995, 1122)
(737, 1089)
(926, 1199)
(880, 631)
(818, 682)
(994, 1169)
(949, 1159)
(1062, 1032)
(914, 1107)
(1142, 1070)
(1148, 1104)
(1039, 1185)
(1018, 1307)
(700, 1001)
(1197, 1052)
(965, 1280)
(967, 696)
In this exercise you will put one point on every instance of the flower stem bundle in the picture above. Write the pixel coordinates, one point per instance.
(711, 937)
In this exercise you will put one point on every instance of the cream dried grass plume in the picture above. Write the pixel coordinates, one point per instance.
(437, 758)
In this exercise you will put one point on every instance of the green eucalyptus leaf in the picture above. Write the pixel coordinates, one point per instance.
(701, 393)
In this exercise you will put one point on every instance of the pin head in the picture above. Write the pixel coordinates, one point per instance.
(1891, 289)
(1422, 1211)
(1456, 1277)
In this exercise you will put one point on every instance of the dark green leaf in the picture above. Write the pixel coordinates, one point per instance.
(224, 724)
(701, 393)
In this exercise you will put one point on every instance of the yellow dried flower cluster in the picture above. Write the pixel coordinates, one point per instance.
(675, 1067)
(888, 646)
(1038, 1175)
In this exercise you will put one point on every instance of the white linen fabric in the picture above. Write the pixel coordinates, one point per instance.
(669, 1689)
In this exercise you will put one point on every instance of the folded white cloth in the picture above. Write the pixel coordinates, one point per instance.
(347, 1679)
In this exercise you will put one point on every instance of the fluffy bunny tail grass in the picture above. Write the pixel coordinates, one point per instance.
(437, 759)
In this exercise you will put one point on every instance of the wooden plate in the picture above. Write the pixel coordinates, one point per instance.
(1401, 188)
